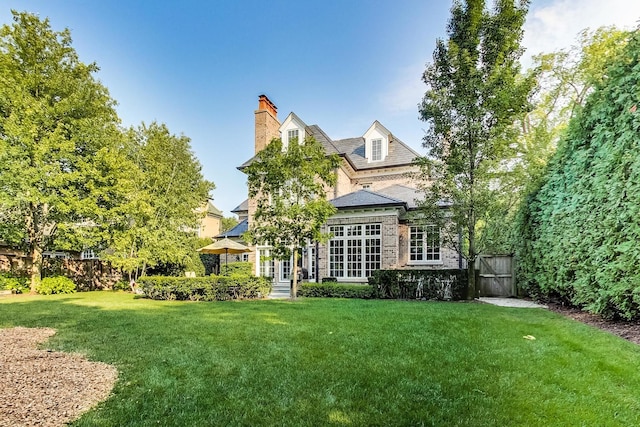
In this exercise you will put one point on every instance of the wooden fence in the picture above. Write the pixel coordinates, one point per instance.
(496, 276)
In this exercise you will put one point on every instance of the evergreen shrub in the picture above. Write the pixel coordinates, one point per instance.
(580, 228)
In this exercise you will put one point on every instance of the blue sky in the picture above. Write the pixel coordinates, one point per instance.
(199, 66)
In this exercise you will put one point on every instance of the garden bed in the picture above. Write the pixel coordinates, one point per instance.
(44, 387)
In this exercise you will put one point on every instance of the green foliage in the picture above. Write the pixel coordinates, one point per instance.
(580, 228)
(564, 79)
(335, 290)
(13, 283)
(238, 267)
(475, 93)
(228, 223)
(59, 163)
(445, 284)
(121, 285)
(169, 189)
(56, 285)
(289, 186)
(210, 288)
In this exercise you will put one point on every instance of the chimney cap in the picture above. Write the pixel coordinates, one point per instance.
(264, 103)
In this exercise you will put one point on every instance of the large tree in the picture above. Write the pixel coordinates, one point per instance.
(289, 187)
(564, 79)
(156, 225)
(474, 94)
(57, 129)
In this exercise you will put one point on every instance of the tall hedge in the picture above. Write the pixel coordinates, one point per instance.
(581, 229)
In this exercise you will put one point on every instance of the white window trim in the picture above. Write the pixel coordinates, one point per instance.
(423, 262)
(373, 151)
(345, 267)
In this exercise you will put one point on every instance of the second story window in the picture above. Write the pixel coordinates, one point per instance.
(292, 134)
(376, 150)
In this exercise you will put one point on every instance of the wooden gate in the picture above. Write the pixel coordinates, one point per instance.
(496, 276)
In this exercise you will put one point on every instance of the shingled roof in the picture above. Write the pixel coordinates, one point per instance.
(400, 154)
(364, 199)
(242, 207)
(352, 149)
(236, 231)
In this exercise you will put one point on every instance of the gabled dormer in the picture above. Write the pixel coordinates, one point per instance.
(292, 128)
(376, 143)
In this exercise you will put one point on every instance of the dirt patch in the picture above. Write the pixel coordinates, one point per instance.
(627, 330)
(46, 388)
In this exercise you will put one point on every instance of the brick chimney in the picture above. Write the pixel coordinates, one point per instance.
(267, 123)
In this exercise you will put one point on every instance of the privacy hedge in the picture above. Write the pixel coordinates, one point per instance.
(210, 288)
(580, 230)
(335, 290)
(446, 284)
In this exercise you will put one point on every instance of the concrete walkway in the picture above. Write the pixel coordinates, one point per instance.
(511, 302)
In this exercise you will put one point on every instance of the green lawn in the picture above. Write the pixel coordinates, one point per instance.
(340, 362)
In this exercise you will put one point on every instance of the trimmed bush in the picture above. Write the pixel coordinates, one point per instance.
(13, 283)
(211, 288)
(449, 284)
(234, 268)
(335, 290)
(56, 285)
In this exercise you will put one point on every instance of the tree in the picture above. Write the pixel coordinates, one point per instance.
(580, 226)
(162, 209)
(57, 131)
(564, 79)
(475, 93)
(289, 187)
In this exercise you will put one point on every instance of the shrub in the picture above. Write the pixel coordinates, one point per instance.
(13, 283)
(335, 290)
(449, 284)
(121, 285)
(238, 267)
(56, 285)
(211, 288)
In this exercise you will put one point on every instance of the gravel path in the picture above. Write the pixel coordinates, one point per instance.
(43, 387)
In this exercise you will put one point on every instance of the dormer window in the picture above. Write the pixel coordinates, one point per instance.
(292, 134)
(376, 143)
(376, 150)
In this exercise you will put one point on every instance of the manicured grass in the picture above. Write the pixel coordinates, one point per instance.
(340, 362)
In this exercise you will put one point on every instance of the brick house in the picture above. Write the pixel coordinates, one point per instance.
(375, 196)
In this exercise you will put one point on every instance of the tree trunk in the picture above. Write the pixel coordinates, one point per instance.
(36, 268)
(471, 261)
(294, 275)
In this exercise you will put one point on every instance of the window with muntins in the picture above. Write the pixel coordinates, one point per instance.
(355, 250)
(292, 134)
(285, 270)
(266, 265)
(424, 244)
(376, 150)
